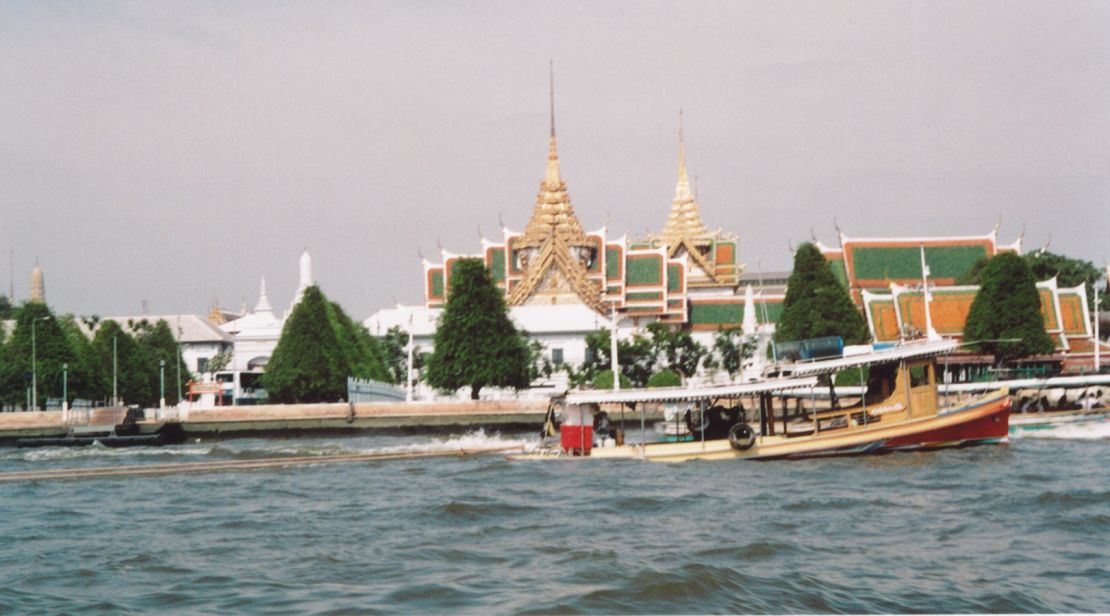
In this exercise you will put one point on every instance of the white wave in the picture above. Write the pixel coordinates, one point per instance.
(1086, 431)
(39, 454)
(471, 440)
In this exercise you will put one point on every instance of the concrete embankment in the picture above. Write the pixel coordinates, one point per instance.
(291, 419)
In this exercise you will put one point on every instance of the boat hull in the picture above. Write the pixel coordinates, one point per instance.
(985, 421)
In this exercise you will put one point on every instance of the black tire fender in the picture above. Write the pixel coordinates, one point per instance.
(741, 437)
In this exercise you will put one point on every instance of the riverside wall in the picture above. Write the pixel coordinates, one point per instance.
(293, 419)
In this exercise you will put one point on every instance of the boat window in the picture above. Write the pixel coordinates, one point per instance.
(919, 375)
(880, 381)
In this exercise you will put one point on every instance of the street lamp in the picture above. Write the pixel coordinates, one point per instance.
(65, 386)
(34, 363)
(162, 383)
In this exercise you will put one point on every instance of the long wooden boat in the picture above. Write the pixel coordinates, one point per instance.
(898, 411)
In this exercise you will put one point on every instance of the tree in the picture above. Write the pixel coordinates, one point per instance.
(636, 356)
(1005, 318)
(816, 305)
(51, 350)
(476, 343)
(307, 365)
(131, 365)
(360, 352)
(160, 345)
(730, 348)
(538, 362)
(678, 348)
(7, 310)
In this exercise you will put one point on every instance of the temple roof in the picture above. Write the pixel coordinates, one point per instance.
(553, 215)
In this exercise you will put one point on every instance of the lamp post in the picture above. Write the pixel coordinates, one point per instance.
(162, 383)
(178, 360)
(34, 363)
(65, 386)
(115, 371)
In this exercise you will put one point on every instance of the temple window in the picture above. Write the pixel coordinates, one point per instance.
(557, 357)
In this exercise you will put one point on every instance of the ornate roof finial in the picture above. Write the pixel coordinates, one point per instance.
(812, 235)
(263, 299)
(551, 94)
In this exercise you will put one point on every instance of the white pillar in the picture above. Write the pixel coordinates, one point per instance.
(930, 333)
(614, 365)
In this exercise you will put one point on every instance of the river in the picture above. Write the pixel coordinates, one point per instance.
(1022, 527)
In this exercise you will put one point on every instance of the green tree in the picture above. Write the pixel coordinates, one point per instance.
(730, 348)
(476, 343)
(678, 349)
(7, 310)
(636, 356)
(160, 345)
(131, 367)
(538, 362)
(51, 350)
(361, 354)
(816, 305)
(395, 353)
(1005, 319)
(310, 363)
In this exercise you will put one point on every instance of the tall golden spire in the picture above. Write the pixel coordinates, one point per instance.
(553, 215)
(684, 221)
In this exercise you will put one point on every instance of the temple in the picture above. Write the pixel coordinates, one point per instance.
(562, 281)
(885, 279)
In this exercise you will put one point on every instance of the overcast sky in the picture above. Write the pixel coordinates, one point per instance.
(177, 152)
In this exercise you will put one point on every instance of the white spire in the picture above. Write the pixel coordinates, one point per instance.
(263, 300)
(306, 270)
(749, 312)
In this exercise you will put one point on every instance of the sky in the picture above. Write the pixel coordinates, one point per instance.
(170, 154)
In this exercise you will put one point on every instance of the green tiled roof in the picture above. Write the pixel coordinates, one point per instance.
(497, 264)
(716, 314)
(437, 283)
(674, 273)
(644, 270)
(612, 262)
(904, 262)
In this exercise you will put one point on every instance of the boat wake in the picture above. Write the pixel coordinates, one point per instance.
(1086, 431)
(255, 449)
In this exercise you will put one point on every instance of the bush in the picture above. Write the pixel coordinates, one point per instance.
(604, 380)
(665, 378)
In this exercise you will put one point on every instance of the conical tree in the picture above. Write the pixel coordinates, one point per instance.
(361, 353)
(476, 343)
(115, 356)
(1005, 319)
(816, 304)
(160, 345)
(308, 364)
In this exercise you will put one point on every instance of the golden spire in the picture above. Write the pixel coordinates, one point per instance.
(553, 215)
(38, 288)
(684, 221)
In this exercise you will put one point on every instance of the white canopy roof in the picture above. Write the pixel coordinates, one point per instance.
(664, 394)
(911, 350)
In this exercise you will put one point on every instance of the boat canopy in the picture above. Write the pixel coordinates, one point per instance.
(913, 350)
(668, 394)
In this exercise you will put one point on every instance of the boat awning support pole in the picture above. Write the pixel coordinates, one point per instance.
(813, 409)
(863, 394)
(701, 421)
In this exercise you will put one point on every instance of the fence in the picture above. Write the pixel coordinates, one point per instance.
(365, 390)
